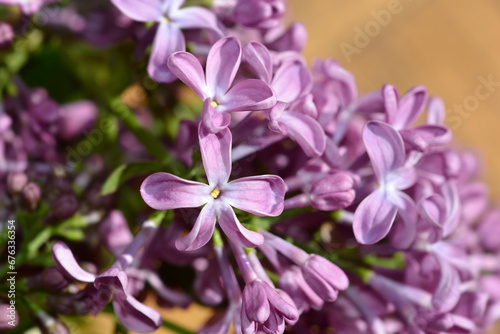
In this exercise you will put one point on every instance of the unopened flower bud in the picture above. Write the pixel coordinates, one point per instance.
(16, 182)
(8, 317)
(31, 195)
(262, 14)
(6, 34)
(65, 206)
(53, 279)
(324, 277)
(333, 192)
(76, 118)
(50, 278)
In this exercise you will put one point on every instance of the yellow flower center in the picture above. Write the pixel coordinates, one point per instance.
(214, 104)
(215, 193)
(166, 19)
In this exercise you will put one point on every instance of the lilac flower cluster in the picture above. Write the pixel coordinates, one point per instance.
(291, 200)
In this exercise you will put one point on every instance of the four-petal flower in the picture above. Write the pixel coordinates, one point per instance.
(261, 195)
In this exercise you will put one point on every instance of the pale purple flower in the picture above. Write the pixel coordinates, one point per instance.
(28, 7)
(76, 118)
(375, 215)
(292, 39)
(324, 277)
(261, 14)
(489, 230)
(131, 313)
(291, 280)
(6, 34)
(214, 86)
(294, 114)
(402, 113)
(171, 18)
(207, 284)
(332, 192)
(9, 318)
(114, 232)
(260, 195)
(262, 304)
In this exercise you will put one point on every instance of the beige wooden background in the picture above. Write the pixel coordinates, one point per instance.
(444, 45)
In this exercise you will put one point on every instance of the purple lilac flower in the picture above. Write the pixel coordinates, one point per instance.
(214, 87)
(375, 215)
(260, 195)
(295, 113)
(262, 304)
(6, 34)
(332, 192)
(261, 14)
(401, 113)
(170, 19)
(113, 282)
(28, 7)
(324, 277)
(292, 39)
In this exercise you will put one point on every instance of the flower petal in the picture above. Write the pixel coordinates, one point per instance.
(235, 231)
(391, 99)
(187, 68)
(410, 107)
(66, 263)
(447, 292)
(164, 191)
(292, 81)
(255, 301)
(306, 131)
(384, 146)
(136, 316)
(248, 95)
(285, 307)
(425, 137)
(115, 233)
(404, 232)
(114, 278)
(293, 39)
(196, 18)
(140, 10)
(259, 58)
(216, 155)
(260, 195)
(373, 218)
(222, 64)
(201, 232)
(435, 111)
(168, 40)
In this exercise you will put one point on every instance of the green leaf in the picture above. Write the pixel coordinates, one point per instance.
(72, 234)
(125, 172)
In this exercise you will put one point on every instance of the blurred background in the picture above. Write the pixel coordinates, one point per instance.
(451, 47)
